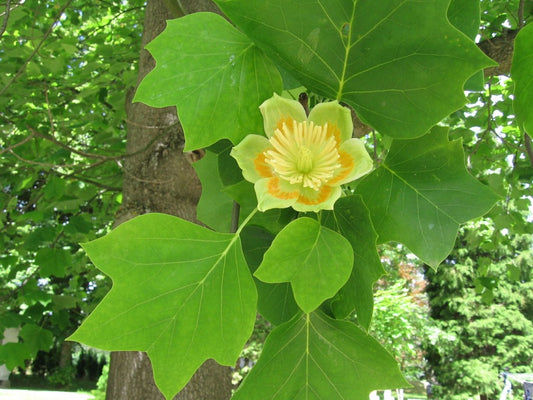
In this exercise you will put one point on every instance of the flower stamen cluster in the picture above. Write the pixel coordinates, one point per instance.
(303, 154)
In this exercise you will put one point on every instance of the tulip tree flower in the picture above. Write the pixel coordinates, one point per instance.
(303, 161)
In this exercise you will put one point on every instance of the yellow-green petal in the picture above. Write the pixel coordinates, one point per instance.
(277, 109)
(360, 162)
(247, 152)
(333, 113)
(333, 193)
(275, 193)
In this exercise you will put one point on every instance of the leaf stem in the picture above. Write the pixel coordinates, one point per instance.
(235, 212)
(248, 218)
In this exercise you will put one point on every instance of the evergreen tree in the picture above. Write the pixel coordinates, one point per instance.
(481, 301)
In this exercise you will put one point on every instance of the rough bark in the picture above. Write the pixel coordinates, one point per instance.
(500, 49)
(159, 179)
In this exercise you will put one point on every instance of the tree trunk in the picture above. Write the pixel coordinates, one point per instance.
(159, 178)
(65, 356)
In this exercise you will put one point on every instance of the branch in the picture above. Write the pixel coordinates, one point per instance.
(14, 146)
(529, 150)
(6, 17)
(37, 48)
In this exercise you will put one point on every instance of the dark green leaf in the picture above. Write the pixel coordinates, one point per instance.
(275, 300)
(465, 15)
(215, 207)
(401, 65)
(352, 219)
(36, 338)
(421, 194)
(53, 261)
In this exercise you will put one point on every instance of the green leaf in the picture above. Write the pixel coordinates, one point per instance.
(314, 259)
(401, 65)
(314, 357)
(62, 302)
(522, 75)
(215, 76)
(275, 300)
(222, 184)
(465, 15)
(215, 207)
(78, 224)
(53, 261)
(14, 355)
(422, 192)
(181, 292)
(351, 217)
(36, 338)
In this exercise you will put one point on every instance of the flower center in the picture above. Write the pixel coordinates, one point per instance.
(303, 153)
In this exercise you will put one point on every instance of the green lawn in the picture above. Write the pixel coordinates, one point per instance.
(19, 394)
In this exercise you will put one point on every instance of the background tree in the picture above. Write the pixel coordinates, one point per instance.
(482, 304)
(480, 297)
(64, 72)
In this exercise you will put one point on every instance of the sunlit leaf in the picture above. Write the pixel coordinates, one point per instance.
(314, 357)
(522, 74)
(215, 76)
(215, 207)
(314, 259)
(179, 292)
(422, 192)
(401, 65)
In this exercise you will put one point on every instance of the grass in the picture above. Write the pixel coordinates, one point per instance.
(20, 394)
(32, 382)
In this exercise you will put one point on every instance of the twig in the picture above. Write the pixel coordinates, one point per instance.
(6, 17)
(521, 14)
(529, 150)
(14, 146)
(37, 48)
(489, 122)
(49, 109)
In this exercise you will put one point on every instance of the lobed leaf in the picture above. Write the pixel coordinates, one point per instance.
(179, 292)
(215, 76)
(314, 357)
(522, 75)
(422, 192)
(400, 80)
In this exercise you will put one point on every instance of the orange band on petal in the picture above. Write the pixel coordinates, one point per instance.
(262, 168)
(275, 190)
(347, 164)
(321, 196)
(334, 131)
(285, 121)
